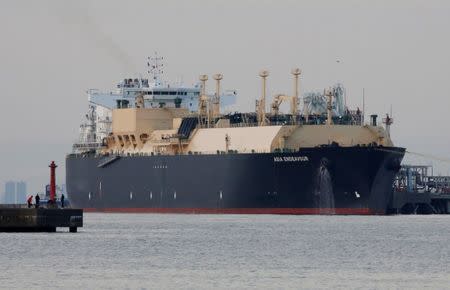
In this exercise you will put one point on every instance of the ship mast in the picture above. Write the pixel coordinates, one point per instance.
(155, 67)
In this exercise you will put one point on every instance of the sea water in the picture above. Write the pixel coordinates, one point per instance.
(153, 251)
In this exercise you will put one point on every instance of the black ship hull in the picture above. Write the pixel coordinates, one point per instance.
(320, 180)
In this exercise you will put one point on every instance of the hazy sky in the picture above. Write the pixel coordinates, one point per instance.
(51, 52)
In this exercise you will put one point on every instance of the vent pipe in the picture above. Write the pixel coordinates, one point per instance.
(203, 79)
(373, 120)
(262, 102)
(202, 100)
(329, 96)
(216, 102)
(388, 122)
(295, 72)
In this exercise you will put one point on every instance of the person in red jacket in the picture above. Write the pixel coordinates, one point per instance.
(29, 201)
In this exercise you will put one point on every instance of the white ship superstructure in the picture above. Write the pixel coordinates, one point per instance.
(153, 93)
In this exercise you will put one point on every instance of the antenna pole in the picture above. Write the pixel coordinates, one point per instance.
(364, 108)
(345, 97)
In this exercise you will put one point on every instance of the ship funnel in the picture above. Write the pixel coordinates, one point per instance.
(216, 101)
(296, 73)
(261, 104)
(329, 95)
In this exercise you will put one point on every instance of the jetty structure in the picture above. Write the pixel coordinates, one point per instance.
(417, 190)
(41, 217)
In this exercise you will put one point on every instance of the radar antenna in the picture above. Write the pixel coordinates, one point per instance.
(155, 67)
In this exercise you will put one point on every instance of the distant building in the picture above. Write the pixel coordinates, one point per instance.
(15, 192)
(21, 192)
(10, 192)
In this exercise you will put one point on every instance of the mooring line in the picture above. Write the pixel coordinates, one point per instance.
(429, 156)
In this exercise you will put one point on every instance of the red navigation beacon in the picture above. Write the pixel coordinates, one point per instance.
(52, 181)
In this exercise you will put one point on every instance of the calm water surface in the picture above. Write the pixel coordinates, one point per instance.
(149, 251)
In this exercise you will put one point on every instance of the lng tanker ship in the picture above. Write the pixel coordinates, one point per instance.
(150, 146)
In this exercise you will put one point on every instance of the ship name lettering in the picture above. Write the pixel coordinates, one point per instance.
(290, 159)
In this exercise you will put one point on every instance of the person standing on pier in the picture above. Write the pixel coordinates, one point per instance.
(37, 199)
(30, 201)
(62, 200)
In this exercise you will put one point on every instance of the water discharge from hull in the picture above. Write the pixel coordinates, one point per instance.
(323, 193)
